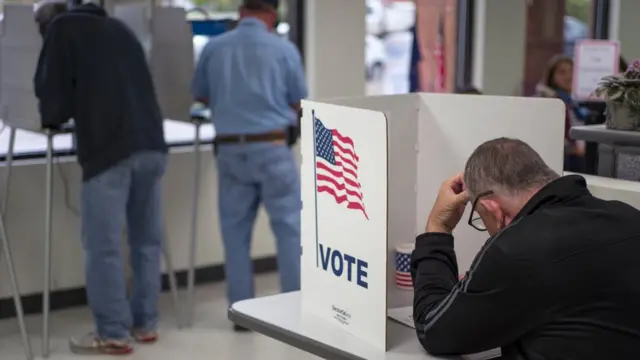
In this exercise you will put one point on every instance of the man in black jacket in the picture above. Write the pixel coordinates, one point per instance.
(554, 281)
(92, 69)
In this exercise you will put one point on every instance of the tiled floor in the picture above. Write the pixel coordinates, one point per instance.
(211, 337)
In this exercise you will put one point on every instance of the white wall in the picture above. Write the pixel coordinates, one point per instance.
(334, 48)
(25, 222)
(499, 46)
(623, 26)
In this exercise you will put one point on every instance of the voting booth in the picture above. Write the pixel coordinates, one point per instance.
(20, 45)
(167, 38)
(371, 170)
(14, 91)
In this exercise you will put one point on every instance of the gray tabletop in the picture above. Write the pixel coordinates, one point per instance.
(599, 133)
(280, 317)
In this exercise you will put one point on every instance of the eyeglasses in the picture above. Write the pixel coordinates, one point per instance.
(475, 221)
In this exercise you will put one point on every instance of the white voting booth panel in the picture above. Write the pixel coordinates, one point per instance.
(171, 61)
(20, 45)
(167, 38)
(428, 138)
(345, 221)
(136, 16)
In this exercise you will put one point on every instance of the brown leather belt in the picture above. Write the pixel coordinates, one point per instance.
(251, 138)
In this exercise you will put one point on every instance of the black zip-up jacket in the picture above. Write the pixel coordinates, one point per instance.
(559, 283)
(92, 68)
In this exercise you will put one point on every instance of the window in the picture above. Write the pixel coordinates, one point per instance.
(576, 23)
(390, 46)
(554, 27)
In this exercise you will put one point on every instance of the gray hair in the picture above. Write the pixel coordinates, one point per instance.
(48, 9)
(508, 166)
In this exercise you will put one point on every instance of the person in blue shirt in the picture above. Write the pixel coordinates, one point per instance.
(253, 81)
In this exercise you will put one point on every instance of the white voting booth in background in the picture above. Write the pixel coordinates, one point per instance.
(19, 50)
(15, 91)
(389, 155)
(166, 36)
(20, 46)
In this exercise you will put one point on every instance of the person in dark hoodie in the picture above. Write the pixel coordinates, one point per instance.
(553, 280)
(93, 69)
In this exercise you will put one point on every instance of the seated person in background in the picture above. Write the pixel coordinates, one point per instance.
(554, 281)
(557, 83)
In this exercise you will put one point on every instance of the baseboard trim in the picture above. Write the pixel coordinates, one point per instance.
(63, 299)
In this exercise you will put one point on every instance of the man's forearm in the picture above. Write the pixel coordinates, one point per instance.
(487, 309)
(434, 270)
(53, 116)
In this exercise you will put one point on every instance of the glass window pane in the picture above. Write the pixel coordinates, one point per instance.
(388, 45)
(576, 23)
(395, 61)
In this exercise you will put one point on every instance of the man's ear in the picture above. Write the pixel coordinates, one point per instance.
(490, 205)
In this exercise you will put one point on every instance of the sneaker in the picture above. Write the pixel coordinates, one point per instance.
(144, 336)
(92, 344)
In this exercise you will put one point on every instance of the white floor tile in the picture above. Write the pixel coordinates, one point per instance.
(211, 337)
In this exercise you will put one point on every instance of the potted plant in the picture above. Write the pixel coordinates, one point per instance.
(622, 95)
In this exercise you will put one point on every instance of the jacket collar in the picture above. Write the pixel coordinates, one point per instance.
(556, 192)
(89, 9)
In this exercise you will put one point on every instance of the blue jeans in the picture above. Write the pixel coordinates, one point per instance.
(248, 175)
(129, 192)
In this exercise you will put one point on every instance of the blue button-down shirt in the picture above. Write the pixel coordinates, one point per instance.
(251, 77)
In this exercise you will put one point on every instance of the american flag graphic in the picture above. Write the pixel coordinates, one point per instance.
(337, 167)
(403, 273)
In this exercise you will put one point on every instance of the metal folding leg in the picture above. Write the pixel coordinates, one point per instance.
(6, 250)
(46, 292)
(191, 276)
(9, 167)
(173, 282)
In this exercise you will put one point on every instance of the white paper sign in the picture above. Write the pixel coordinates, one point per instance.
(403, 315)
(344, 218)
(593, 60)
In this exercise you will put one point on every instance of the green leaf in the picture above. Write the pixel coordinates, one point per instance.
(616, 94)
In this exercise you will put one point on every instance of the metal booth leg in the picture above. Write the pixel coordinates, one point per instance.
(6, 250)
(191, 278)
(9, 167)
(173, 282)
(16, 291)
(47, 247)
